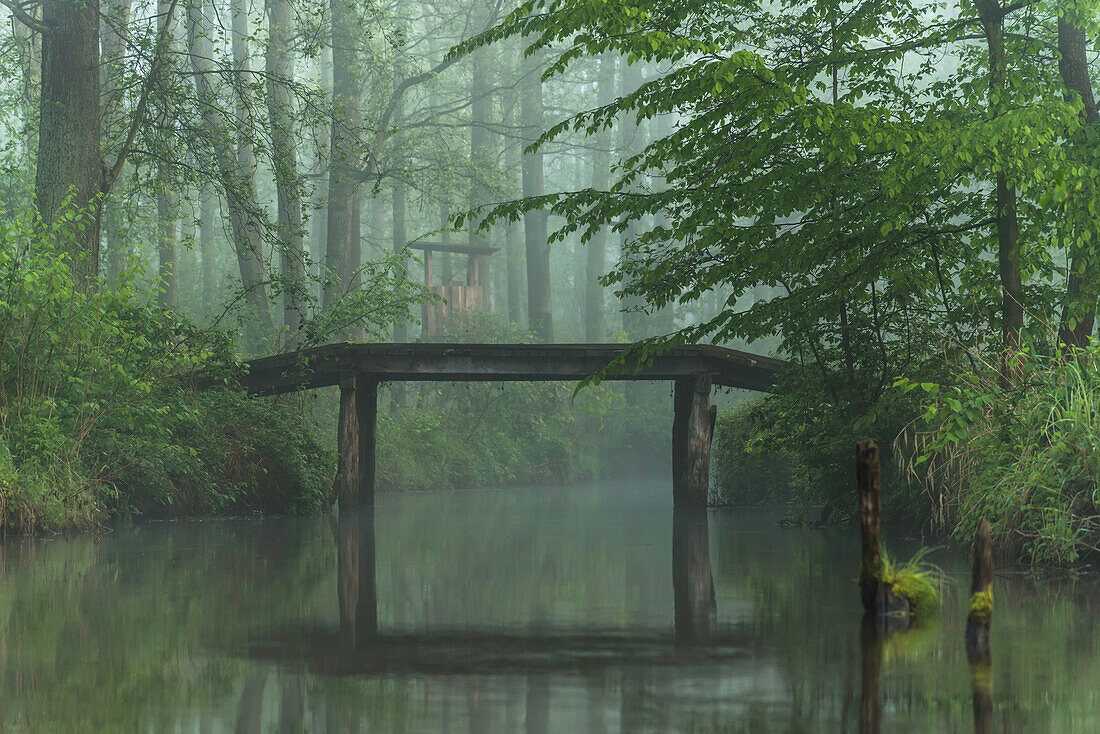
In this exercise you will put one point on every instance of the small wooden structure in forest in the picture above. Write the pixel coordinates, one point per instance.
(473, 295)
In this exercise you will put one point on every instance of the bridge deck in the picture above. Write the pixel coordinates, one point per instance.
(324, 366)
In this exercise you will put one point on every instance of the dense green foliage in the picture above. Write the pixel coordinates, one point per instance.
(97, 419)
(745, 472)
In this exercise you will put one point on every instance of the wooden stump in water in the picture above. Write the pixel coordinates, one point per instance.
(979, 613)
(892, 611)
(869, 484)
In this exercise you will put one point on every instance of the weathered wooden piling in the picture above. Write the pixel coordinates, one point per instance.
(348, 475)
(356, 442)
(692, 431)
(869, 485)
(979, 613)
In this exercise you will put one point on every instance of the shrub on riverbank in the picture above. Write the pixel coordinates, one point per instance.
(745, 472)
(797, 444)
(95, 421)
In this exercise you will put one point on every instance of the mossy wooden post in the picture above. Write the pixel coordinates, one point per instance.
(869, 484)
(692, 430)
(979, 613)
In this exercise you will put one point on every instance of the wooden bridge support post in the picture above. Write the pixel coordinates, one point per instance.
(356, 442)
(692, 430)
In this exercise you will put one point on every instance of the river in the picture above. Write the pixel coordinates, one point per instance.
(580, 609)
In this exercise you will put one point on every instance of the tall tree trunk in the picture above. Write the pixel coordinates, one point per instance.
(69, 160)
(343, 255)
(1079, 311)
(187, 256)
(284, 151)
(1008, 230)
(513, 247)
(319, 220)
(343, 250)
(246, 156)
(595, 328)
(166, 207)
(112, 39)
(446, 262)
(540, 316)
(206, 248)
(400, 243)
(660, 127)
(166, 244)
(481, 106)
(631, 140)
(237, 183)
(400, 239)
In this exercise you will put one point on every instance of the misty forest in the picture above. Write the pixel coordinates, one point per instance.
(551, 366)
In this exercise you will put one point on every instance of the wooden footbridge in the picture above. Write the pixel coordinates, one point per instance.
(358, 368)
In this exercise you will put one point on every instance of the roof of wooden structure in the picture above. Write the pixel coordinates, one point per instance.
(327, 365)
(447, 247)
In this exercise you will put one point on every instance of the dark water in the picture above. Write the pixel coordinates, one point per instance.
(547, 610)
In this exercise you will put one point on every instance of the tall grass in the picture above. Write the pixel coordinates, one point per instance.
(1025, 454)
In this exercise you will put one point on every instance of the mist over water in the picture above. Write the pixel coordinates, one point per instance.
(535, 610)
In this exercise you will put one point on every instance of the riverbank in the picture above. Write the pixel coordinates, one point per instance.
(960, 445)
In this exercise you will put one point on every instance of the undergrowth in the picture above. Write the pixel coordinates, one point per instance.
(96, 419)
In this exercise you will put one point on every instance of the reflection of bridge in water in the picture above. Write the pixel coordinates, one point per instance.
(359, 368)
(358, 647)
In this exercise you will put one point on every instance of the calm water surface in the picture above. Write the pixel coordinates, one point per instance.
(586, 609)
